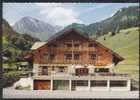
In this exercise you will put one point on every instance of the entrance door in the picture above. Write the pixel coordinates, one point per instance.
(81, 71)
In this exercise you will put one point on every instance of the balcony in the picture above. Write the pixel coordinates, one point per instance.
(61, 61)
(54, 49)
(66, 76)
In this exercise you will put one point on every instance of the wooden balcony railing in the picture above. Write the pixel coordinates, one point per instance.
(64, 61)
(53, 49)
(60, 61)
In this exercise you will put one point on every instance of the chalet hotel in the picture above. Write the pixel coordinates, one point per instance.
(72, 61)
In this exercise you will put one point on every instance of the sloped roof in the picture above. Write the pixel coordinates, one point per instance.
(60, 33)
(37, 45)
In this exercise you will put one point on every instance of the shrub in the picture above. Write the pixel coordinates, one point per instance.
(12, 76)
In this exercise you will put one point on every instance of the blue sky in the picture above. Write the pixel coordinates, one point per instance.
(62, 13)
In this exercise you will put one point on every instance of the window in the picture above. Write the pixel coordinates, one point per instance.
(68, 56)
(101, 70)
(76, 45)
(52, 45)
(100, 57)
(81, 71)
(80, 83)
(44, 70)
(45, 56)
(52, 56)
(98, 83)
(61, 69)
(92, 45)
(53, 68)
(76, 57)
(68, 45)
(118, 83)
(93, 56)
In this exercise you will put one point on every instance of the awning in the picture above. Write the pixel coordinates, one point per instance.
(100, 66)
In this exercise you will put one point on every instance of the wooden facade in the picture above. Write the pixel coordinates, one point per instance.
(73, 44)
(71, 48)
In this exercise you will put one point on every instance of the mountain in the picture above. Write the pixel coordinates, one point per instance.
(124, 18)
(35, 27)
(79, 27)
(58, 28)
(15, 45)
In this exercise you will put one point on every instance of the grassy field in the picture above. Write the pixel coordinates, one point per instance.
(126, 44)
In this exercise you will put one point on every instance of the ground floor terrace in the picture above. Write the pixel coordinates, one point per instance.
(85, 83)
(71, 69)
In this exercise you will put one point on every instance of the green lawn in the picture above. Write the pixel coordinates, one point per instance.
(126, 44)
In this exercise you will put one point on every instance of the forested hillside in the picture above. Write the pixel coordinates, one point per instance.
(15, 45)
(122, 19)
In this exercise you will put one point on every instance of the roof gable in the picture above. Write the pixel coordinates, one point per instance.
(38, 46)
(66, 33)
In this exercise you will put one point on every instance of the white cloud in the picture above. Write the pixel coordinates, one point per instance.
(45, 7)
(63, 17)
(56, 14)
